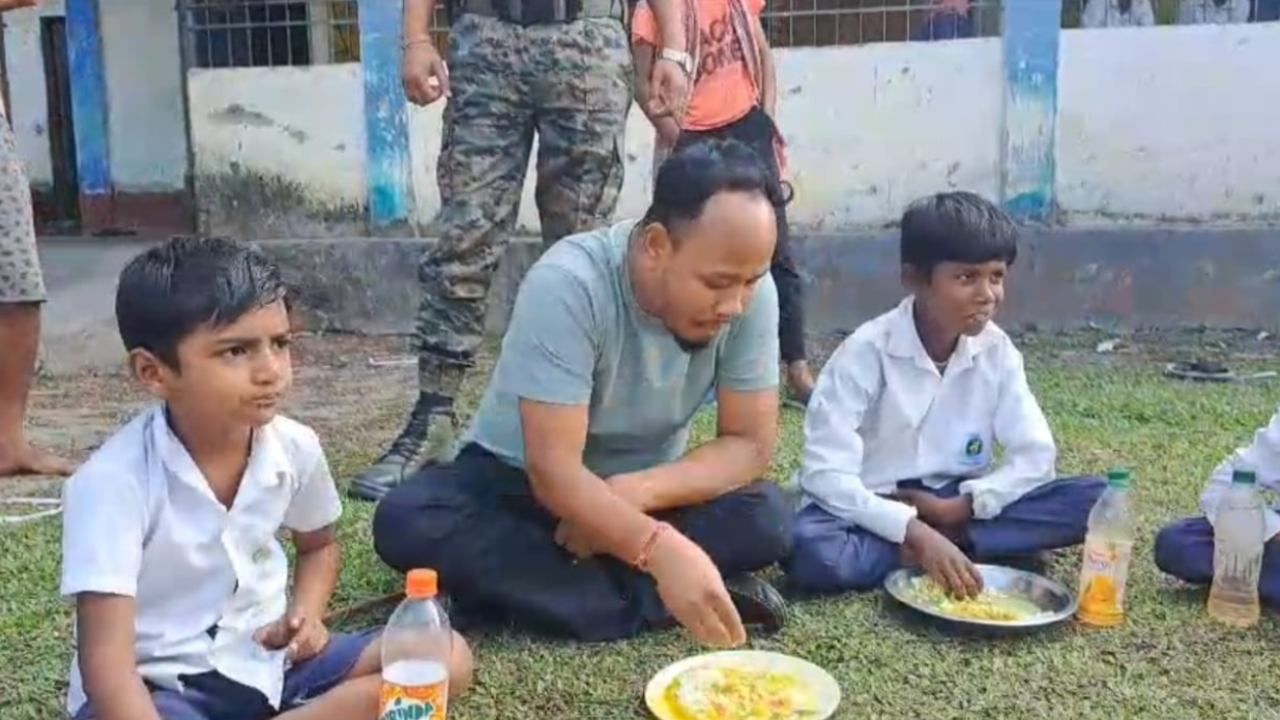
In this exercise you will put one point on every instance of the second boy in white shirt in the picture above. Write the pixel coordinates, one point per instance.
(1185, 548)
(900, 435)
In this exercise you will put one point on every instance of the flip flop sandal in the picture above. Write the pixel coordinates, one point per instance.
(1202, 371)
(794, 403)
(52, 506)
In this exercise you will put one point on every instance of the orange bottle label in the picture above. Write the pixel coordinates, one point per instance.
(426, 702)
(1102, 584)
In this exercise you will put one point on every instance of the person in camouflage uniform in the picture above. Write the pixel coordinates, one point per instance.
(560, 69)
(21, 294)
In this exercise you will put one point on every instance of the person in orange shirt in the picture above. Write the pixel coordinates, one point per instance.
(734, 95)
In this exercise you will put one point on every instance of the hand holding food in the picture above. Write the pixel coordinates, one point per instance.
(693, 591)
(942, 560)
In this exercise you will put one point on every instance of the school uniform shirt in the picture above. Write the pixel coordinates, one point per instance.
(1262, 456)
(882, 413)
(140, 520)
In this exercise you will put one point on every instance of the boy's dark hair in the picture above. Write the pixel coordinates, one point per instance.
(956, 227)
(169, 291)
(693, 174)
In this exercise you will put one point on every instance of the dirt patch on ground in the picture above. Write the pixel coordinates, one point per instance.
(350, 389)
(355, 390)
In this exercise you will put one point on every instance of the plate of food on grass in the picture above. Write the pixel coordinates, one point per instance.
(742, 685)
(1011, 599)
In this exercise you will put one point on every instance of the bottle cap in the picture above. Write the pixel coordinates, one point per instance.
(1243, 477)
(420, 584)
(1118, 478)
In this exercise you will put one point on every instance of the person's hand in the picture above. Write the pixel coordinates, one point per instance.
(425, 75)
(693, 591)
(950, 515)
(667, 131)
(668, 89)
(942, 560)
(572, 538)
(302, 637)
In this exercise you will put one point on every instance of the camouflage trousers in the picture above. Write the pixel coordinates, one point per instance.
(568, 83)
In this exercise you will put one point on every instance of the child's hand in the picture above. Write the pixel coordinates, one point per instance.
(301, 636)
(942, 560)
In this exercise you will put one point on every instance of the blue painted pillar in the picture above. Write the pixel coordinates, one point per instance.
(1031, 32)
(89, 112)
(389, 182)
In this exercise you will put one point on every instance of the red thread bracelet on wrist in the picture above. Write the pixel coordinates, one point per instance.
(646, 552)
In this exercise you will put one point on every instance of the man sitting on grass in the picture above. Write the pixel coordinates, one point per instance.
(169, 542)
(574, 505)
(900, 437)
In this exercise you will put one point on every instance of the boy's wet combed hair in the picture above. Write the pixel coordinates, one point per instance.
(693, 174)
(956, 227)
(169, 291)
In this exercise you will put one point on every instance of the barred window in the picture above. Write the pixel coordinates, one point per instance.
(809, 23)
(264, 33)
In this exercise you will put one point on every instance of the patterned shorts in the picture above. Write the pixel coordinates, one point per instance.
(20, 278)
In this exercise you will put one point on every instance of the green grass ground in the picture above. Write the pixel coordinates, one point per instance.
(1169, 661)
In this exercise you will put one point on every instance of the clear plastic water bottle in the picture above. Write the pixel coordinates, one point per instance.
(415, 654)
(1239, 534)
(1108, 548)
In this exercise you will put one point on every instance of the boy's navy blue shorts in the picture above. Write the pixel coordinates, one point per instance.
(210, 696)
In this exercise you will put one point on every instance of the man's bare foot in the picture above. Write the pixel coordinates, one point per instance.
(31, 460)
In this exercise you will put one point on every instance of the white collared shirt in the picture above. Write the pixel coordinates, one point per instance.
(882, 413)
(1262, 456)
(141, 521)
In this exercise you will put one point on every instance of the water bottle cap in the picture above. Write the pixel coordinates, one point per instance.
(1118, 478)
(1244, 477)
(420, 584)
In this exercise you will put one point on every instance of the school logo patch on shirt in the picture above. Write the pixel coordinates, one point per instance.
(973, 448)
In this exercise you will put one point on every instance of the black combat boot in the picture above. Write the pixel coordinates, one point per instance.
(432, 423)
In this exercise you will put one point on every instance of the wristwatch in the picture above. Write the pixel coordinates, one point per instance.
(679, 57)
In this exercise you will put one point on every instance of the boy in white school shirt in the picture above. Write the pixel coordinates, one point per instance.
(183, 610)
(899, 436)
(1184, 548)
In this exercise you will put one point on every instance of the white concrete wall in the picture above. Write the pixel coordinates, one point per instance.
(29, 107)
(303, 126)
(868, 129)
(144, 90)
(1170, 124)
(148, 134)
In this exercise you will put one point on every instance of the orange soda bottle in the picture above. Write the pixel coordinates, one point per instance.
(415, 654)
(1108, 547)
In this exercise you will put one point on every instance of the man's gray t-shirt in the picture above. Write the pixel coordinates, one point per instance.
(578, 337)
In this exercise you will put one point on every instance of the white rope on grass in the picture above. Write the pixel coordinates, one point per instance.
(54, 506)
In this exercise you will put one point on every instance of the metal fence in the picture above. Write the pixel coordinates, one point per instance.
(258, 33)
(253, 33)
(809, 23)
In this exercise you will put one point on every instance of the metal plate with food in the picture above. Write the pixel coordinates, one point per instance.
(1011, 599)
(742, 685)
